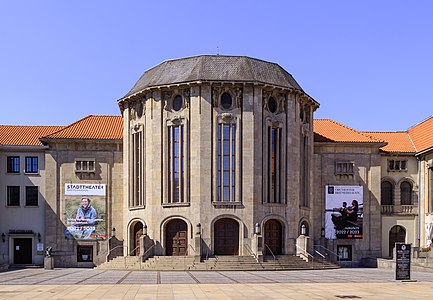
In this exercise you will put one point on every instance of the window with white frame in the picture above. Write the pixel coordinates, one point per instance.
(13, 164)
(397, 165)
(31, 164)
(85, 165)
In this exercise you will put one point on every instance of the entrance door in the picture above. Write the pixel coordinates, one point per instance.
(22, 250)
(226, 237)
(138, 232)
(273, 237)
(397, 234)
(176, 238)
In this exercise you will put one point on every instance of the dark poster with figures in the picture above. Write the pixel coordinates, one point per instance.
(402, 261)
(344, 212)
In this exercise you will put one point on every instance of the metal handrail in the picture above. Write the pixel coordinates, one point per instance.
(151, 247)
(191, 248)
(270, 251)
(251, 252)
(328, 250)
(108, 254)
(134, 250)
(304, 251)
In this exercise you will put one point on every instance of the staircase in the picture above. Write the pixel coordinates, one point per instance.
(292, 262)
(216, 263)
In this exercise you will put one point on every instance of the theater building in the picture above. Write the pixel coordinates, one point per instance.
(212, 155)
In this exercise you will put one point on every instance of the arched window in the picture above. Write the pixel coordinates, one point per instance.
(406, 193)
(387, 193)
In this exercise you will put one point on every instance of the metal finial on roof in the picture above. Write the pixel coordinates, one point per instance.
(218, 50)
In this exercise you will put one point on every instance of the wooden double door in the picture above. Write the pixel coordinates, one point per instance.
(226, 237)
(273, 237)
(176, 238)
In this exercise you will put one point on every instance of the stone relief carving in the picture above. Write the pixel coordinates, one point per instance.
(186, 97)
(215, 96)
(238, 97)
(281, 99)
(166, 97)
(227, 118)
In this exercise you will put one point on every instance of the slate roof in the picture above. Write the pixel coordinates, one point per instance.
(92, 127)
(13, 135)
(327, 130)
(215, 68)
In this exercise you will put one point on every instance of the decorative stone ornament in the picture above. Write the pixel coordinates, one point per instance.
(273, 103)
(227, 98)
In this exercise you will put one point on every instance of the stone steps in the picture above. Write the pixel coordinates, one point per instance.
(217, 263)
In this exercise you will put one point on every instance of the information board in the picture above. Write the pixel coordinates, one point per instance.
(402, 261)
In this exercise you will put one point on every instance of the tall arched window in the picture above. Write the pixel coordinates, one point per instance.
(387, 193)
(406, 193)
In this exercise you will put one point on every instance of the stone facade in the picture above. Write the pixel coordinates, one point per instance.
(60, 167)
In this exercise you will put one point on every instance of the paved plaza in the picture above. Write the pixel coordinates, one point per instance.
(310, 284)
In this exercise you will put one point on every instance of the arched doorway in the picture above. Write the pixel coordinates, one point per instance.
(273, 237)
(176, 238)
(226, 238)
(397, 234)
(137, 232)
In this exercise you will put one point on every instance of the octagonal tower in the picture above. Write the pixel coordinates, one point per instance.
(218, 157)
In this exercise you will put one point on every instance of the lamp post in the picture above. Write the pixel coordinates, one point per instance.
(257, 229)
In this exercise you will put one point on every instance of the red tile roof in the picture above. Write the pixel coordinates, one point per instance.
(399, 142)
(92, 127)
(327, 130)
(13, 135)
(422, 134)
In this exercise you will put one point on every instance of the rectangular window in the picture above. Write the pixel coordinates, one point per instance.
(344, 252)
(397, 165)
(226, 161)
(85, 165)
(13, 164)
(274, 164)
(137, 170)
(32, 195)
(176, 164)
(85, 253)
(32, 164)
(344, 168)
(13, 196)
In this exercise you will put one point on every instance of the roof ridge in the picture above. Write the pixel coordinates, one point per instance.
(419, 123)
(67, 126)
(411, 141)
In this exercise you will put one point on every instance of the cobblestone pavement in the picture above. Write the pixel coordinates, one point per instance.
(312, 284)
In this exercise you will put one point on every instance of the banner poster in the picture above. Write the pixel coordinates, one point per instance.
(85, 211)
(344, 211)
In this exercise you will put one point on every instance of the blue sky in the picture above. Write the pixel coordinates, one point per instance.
(368, 63)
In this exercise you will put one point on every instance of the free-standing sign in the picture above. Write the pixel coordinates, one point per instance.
(344, 211)
(402, 261)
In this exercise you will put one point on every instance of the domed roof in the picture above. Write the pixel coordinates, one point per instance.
(213, 68)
